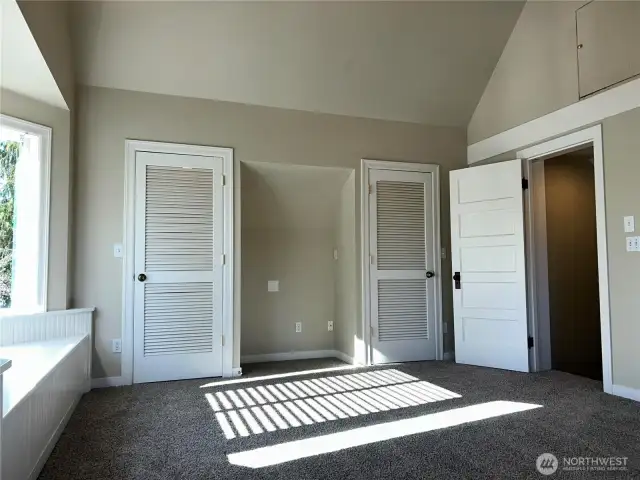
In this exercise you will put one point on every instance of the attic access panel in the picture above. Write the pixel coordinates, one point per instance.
(607, 40)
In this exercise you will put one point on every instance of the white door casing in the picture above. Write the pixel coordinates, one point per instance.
(401, 246)
(179, 231)
(488, 251)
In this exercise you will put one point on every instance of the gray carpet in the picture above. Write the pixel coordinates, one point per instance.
(169, 431)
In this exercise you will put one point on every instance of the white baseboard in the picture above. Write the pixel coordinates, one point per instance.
(279, 357)
(106, 382)
(44, 455)
(448, 356)
(626, 392)
(344, 357)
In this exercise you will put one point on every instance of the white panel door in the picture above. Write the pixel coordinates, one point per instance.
(487, 254)
(401, 221)
(178, 267)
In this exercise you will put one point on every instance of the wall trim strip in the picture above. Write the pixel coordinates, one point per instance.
(584, 113)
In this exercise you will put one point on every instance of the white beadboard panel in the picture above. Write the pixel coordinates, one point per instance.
(178, 219)
(45, 326)
(178, 318)
(400, 225)
(33, 424)
(402, 309)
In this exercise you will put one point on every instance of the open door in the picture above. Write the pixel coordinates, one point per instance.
(488, 257)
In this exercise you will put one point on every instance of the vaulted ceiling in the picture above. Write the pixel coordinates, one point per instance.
(423, 62)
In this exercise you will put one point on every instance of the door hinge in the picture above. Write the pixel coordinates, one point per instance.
(223, 259)
(371, 260)
(530, 342)
(370, 189)
(373, 332)
(224, 180)
(222, 340)
(525, 184)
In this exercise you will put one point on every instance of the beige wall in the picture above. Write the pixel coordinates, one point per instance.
(572, 255)
(301, 259)
(347, 320)
(288, 235)
(536, 74)
(621, 172)
(107, 117)
(59, 121)
(49, 22)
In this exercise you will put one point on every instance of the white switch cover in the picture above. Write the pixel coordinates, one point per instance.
(273, 286)
(298, 327)
(116, 345)
(330, 326)
(117, 250)
(629, 224)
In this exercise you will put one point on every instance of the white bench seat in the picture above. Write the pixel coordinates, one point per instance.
(31, 363)
(40, 391)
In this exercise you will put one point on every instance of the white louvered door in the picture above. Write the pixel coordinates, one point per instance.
(178, 248)
(402, 253)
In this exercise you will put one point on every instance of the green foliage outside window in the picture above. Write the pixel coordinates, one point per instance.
(9, 152)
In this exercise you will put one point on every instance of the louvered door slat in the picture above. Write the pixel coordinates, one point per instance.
(400, 225)
(179, 202)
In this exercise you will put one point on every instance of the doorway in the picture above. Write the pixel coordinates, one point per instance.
(500, 262)
(567, 289)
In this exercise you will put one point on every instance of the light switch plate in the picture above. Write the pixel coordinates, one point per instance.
(629, 224)
(116, 345)
(273, 286)
(330, 326)
(118, 249)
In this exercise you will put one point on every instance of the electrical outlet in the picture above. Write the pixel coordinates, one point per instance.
(633, 244)
(629, 224)
(116, 345)
(298, 327)
(330, 326)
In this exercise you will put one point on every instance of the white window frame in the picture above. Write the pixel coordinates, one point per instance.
(131, 148)
(365, 356)
(44, 135)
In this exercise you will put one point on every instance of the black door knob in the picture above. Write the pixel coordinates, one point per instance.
(142, 277)
(430, 274)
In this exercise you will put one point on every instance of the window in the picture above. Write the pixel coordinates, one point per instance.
(24, 215)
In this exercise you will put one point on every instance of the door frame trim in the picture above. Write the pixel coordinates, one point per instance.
(366, 166)
(128, 238)
(552, 148)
